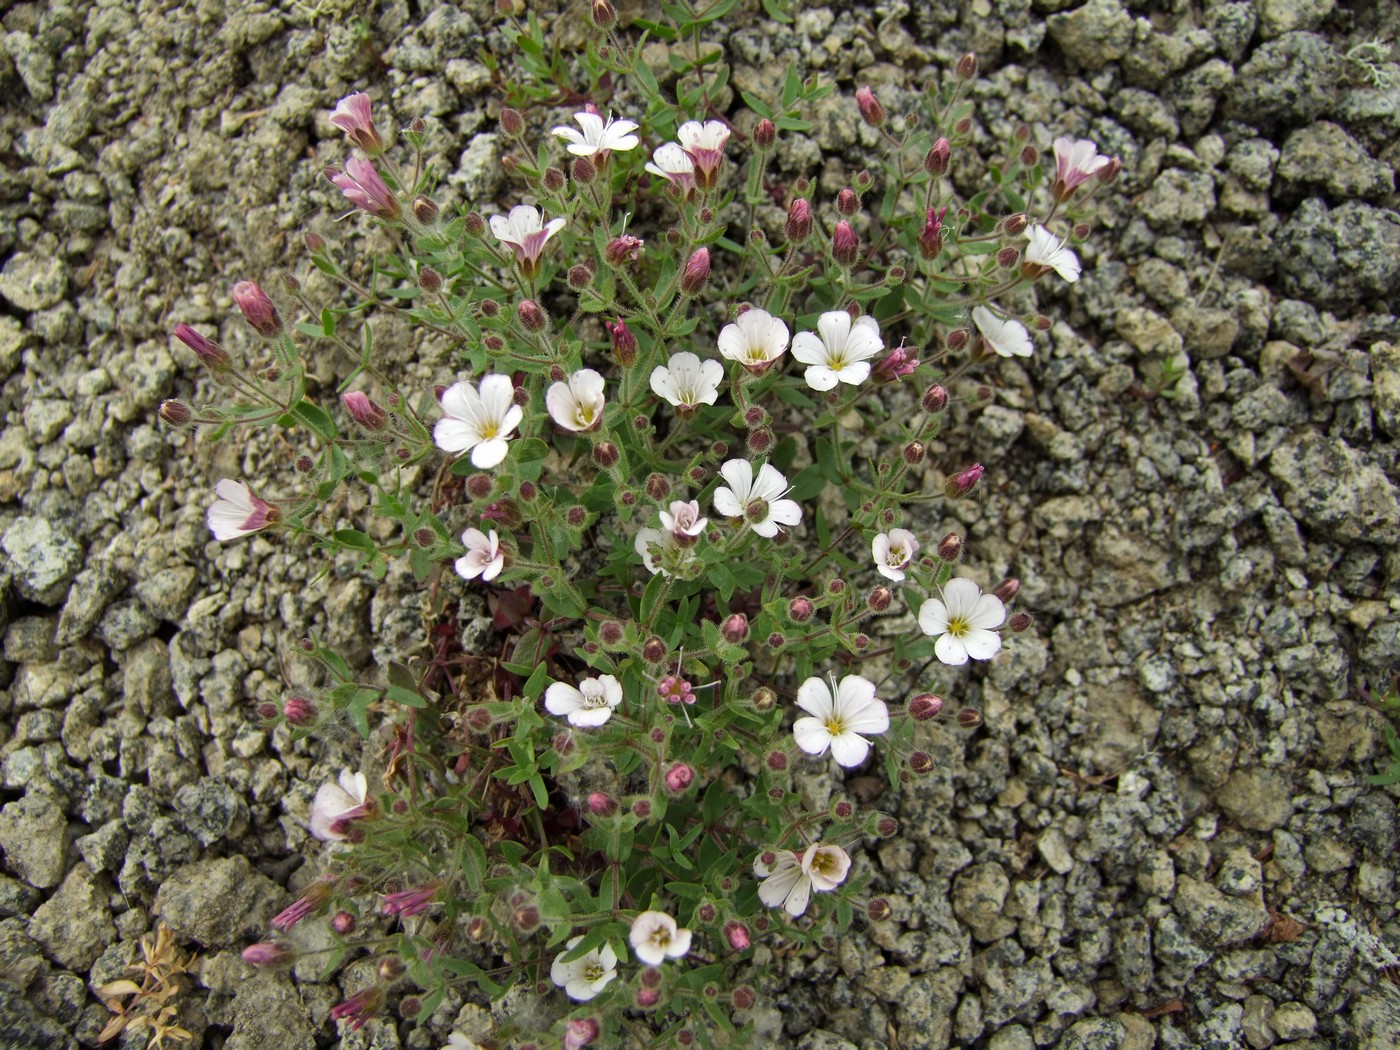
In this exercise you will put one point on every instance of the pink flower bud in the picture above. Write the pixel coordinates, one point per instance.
(257, 308)
(601, 805)
(211, 355)
(879, 599)
(425, 209)
(735, 629)
(870, 109)
(174, 412)
(532, 317)
(1019, 622)
(343, 923)
(1007, 589)
(969, 718)
(364, 411)
(931, 239)
(845, 246)
(648, 997)
(800, 610)
(936, 159)
(696, 272)
(764, 134)
(604, 14)
(737, 934)
(847, 203)
(623, 250)
(897, 364)
(624, 343)
(266, 953)
(921, 762)
(914, 453)
(967, 66)
(799, 221)
(963, 482)
(679, 777)
(299, 711)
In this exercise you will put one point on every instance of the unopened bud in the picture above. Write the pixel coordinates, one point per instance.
(605, 454)
(743, 997)
(257, 309)
(799, 221)
(211, 355)
(914, 453)
(1008, 257)
(1019, 622)
(658, 488)
(679, 777)
(424, 536)
(921, 762)
(1007, 589)
(1015, 225)
(963, 482)
(847, 203)
(936, 159)
(925, 706)
(886, 827)
(935, 399)
(967, 66)
(584, 170)
(525, 918)
(760, 441)
(1109, 172)
(531, 316)
(624, 343)
(870, 109)
(604, 14)
(425, 209)
(969, 719)
(299, 711)
(474, 224)
(641, 808)
(364, 411)
(580, 277)
(950, 547)
(736, 934)
(174, 412)
(343, 923)
(963, 126)
(647, 998)
(735, 629)
(391, 968)
(879, 599)
(478, 930)
(314, 241)
(764, 134)
(845, 246)
(479, 486)
(696, 272)
(879, 910)
(601, 805)
(654, 650)
(429, 279)
(266, 953)
(1029, 156)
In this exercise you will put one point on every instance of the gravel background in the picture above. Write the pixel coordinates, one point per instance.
(1176, 755)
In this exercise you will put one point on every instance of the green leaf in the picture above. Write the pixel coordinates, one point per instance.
(406, 697)
(757, 105)
(356, 539)
(721, 579)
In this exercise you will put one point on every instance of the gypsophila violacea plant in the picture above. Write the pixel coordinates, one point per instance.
(679, 444)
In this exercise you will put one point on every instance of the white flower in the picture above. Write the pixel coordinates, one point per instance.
(963, 620)
(756, 339)
(756, 498)
(673, 164)
(704, 143)
(1007, 337)
(598, 136)
(578, 404)
(836, 723)
(687, 382)
(654, 546)
(483, 557)
(843, 351)
(479, 421)
(654, 937)
(684, 518)
(237, 512)
(526, 231)
(1076, 161)
(338, 804)
(457, 1041)
(586, 976)
(789, 881)
(591, 704)
(894, 550)
(1045, 249)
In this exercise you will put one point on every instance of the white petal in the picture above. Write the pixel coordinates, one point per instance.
(739, 474)
(562, 698)
(589, 718)
(987, 612)
(950, 650)
(489, 453)
(933, 617)
(811, 735)
(980, 644)
(785, 512)
(808, 349)
(819, 377)
(453, 435)
(680, 943)
(815, 698)
(797, 899)
(849, 750)
(727, 503)
(775, 889)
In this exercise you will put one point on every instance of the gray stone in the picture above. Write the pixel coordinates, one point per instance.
(479, 172)
(34, 839)
(1178, 198)
(166, 593)
(17, 898)
(1093, 35)
(1222, 1028)
(211, 810)
(1339, 258)
(1132, 953)
(1375, 1016)
(1277, 17)
(30, 639)
(1054, 847)
(1215, 919)
(1323, 156)
(45, 418)
(1240, 874)
(1257, 798)
(1385, 377)
(21, 1023)
(125, 623)
(218, 902)
(821, 1039)
(1294, 1021)
(34, 281)
(1287, 81)
(1093, 1033)
(1255, 1022)
(93, 588)
(44, 558)
(75, 924)
(979, 895)
(1208, 332)
(105, 848)
(146, 678)
(1331, 487)
(268, 1014)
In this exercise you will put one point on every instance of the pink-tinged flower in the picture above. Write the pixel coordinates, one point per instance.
(624, 343)
(839, 351)
(336, 805)
(1006, 337)
(480, 421)
(363, 188)
(1076, 161)
(836, 722)
(964, 481)
(655, 938)
(590, 704)
(737, 934)
(756, 339)
(661, 554)
(897, 364)
(484, 557)
(238, 512)
(696, 271)
(679, 777)
(684, 520)
(598, 137)
(315, 895)
(931, 239)
(845, 245)
(790, 878)
(687, 382)
(525, 230)
(676, 690)
(352, 116)
(704, 144)
(578, 404)
(1048, 252)
(257, 308)
(581, 1031)
(586, 976)
(673, 164)
(623, 250)
(356, 1010)
(964, 620)
(410, 902)
(364, 411)
(893, 551)
(267, 953)
(756, 497)
(211, 355)
(870, 109)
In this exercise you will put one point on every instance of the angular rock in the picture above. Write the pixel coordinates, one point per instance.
(33, 281)
(1093, 35)
(268, 1014)
(44, 558)
(1324, 156)
(211, 810)
(1288, 81)
(75, 924)
(1215, 919)
(1341, 257)
(1256, 798)
(1332, 487)
(979, 894)
(34, 839)
(218, 902)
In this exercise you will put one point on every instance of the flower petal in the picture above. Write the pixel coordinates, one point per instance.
(811, 735)
(950, 650)
(980, 644)
(849, 749)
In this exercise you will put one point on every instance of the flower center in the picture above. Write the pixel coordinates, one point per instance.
(583, 415)
(958, 626)
(594, 972)
(488, 431)
(896, 557)
(835, 726)
(593, 701)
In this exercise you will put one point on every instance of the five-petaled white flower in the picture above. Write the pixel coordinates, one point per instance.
(836, 722)
(479, 421)
(578, 404)
(586, 976)
(684, 518)
(788, 881)
(237, 512)
(598, 135)
(525, 230)
(1076, 161)
(757, 498)
(1006, 337)
(336, 805)
(839, 351)
(756, 339)
(483, 558)
(963, 620)
(591, 704)
(1045, 249)
(655, 937)
(894, 550)
(687, 382)
(704, 144)
(670, 162)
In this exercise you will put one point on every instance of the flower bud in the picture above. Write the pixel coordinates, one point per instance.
(605, 454)
(584, 170)
(479, 486)
(314, 241)
(257, 309)
(969, 719)
(736, 934)
(425, 209)
(799, 221)
(624, 343)
(921, 762)
(429, 280)
(647, 998)
(579, 277)
(967, 66)
(299, 711)
(267, 711)
(914, 453)
(1007, 589)
(777, 640)
(735, 629)
(931, 237)
(764, 134)
(604, 14)
(1008, 257)
(936, 159)
(963, 482)
(364, 411)
(174, 412)
(391, 968)
(842, 810)
(343, 923)
(623, 250)
(950, 547)
(696, 272)
(1019, 622)
(211, 355)
(1029, 156)
(879, 599)
(478, 930)
(925, 706)
(474, 224)
(870, 109)
(266, 953)
(847, 203)
(886, 827)
(800, 609)
(879, 910)
(531, 316)
(641, 808)
(1109, 172)
(845, 246)
(654, 650)
(679, 777)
